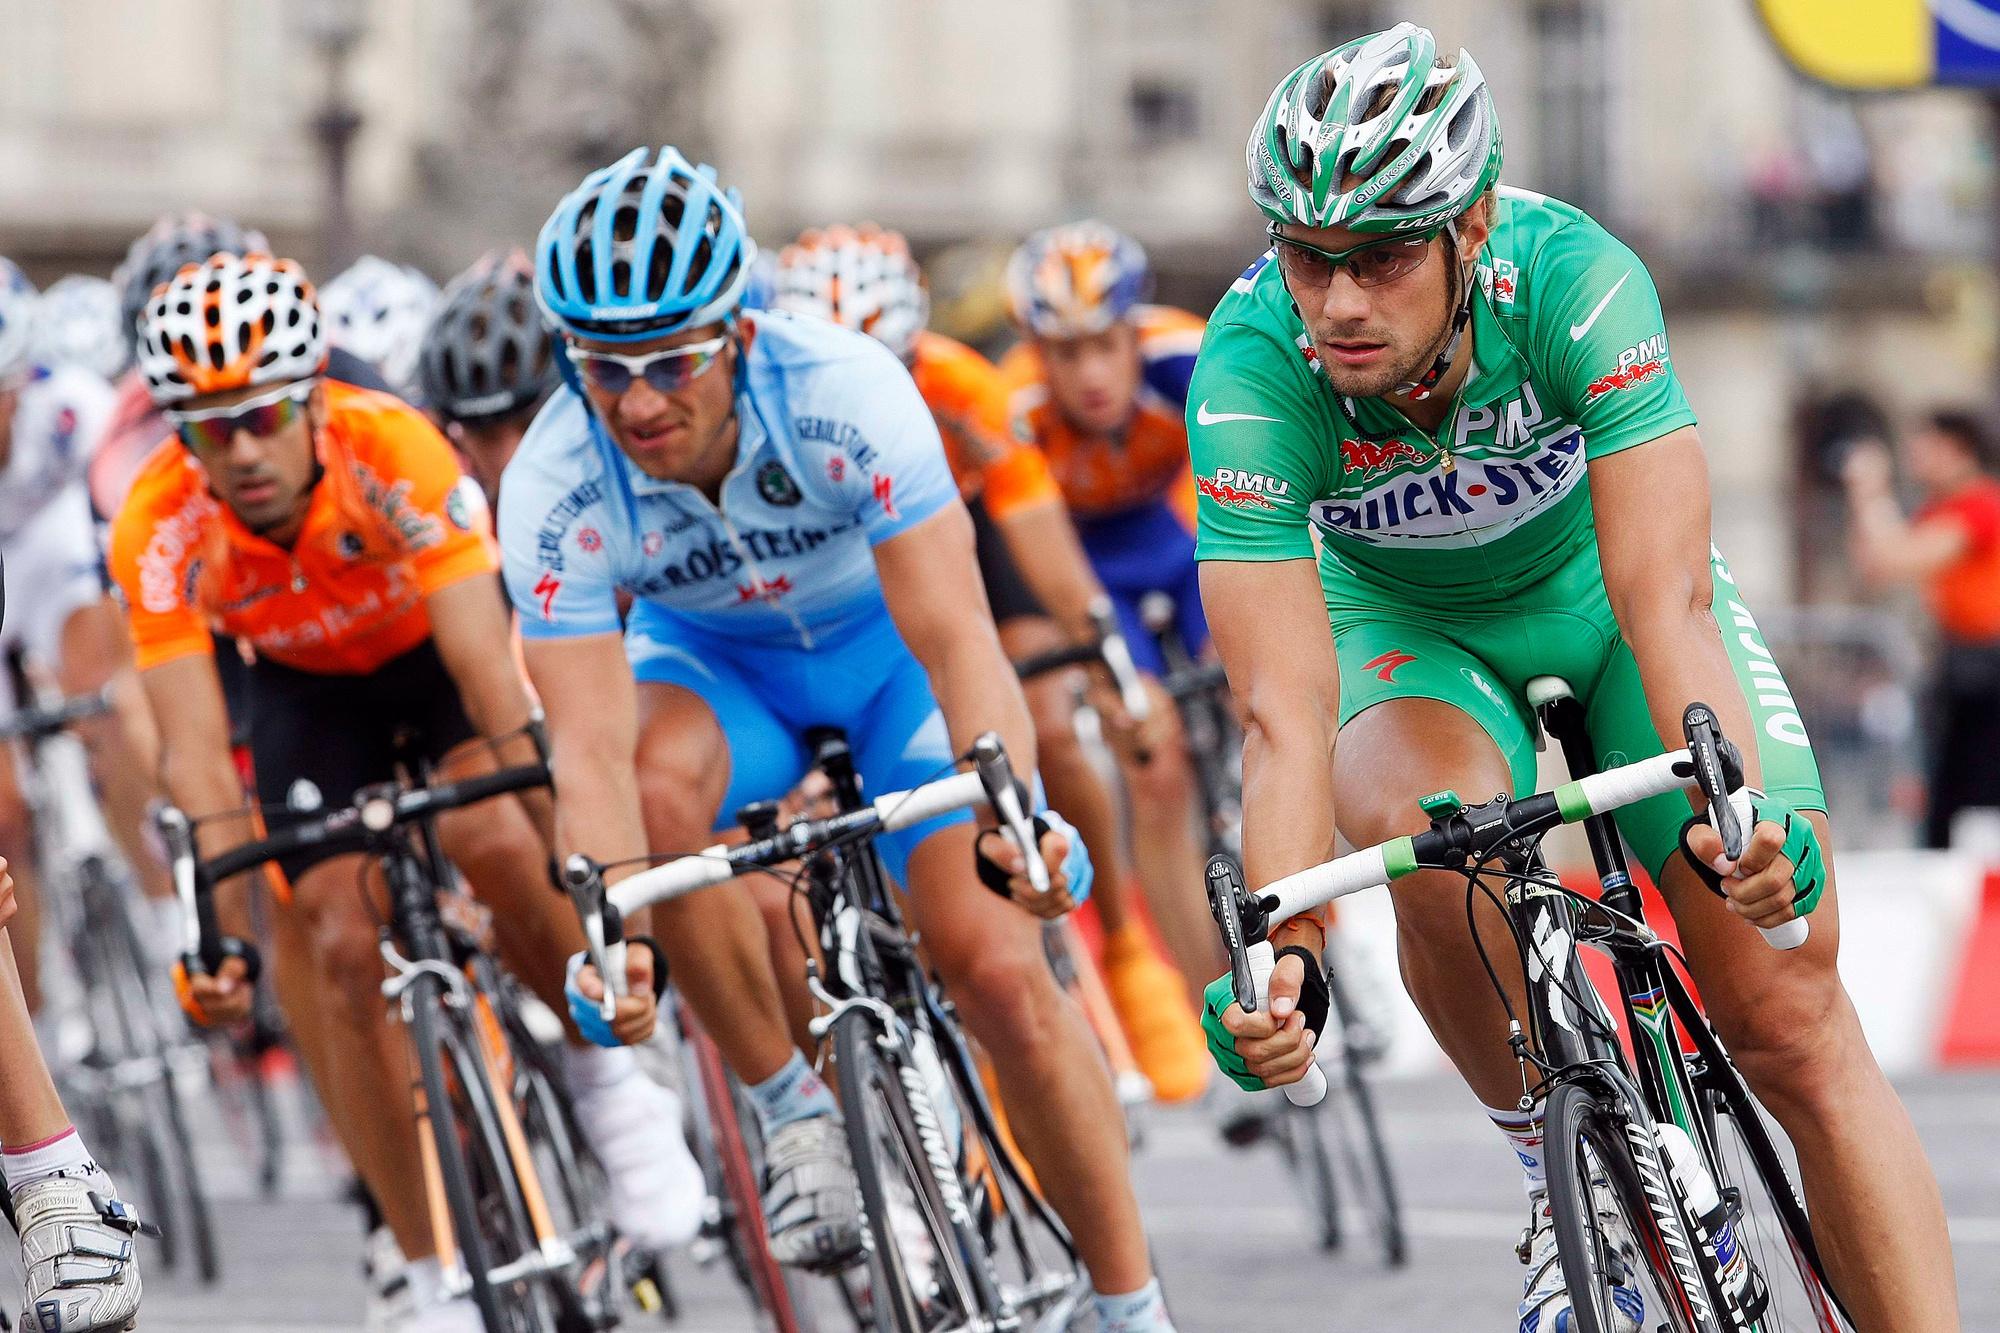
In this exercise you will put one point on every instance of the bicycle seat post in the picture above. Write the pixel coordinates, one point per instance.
(832, 757)
(1561, 715)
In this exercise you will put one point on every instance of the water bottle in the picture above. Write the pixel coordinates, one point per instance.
(938, 1087)
(1706, 1204)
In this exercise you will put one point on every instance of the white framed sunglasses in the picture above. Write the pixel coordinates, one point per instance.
(211, 428)
(667, 371)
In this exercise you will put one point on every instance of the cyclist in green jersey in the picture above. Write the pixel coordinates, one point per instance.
(1466, 392)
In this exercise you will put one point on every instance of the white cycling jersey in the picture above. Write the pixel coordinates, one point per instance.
(58, 421)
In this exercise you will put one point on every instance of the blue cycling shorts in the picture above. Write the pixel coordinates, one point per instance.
(859, 677)
(1143, 550)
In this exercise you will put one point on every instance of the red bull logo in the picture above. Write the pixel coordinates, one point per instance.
(1624, 378)
(1228, 493)
(1366, 460)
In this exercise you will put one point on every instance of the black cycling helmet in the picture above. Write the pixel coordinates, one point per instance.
(486, 353)
(173, 242)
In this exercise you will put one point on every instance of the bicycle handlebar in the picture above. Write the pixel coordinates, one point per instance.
(603, 909)
(40, 721)
(1709, 763)
(1109, 651)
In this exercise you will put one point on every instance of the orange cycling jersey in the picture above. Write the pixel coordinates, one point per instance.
(1148, 459)
(966, 394)
(391, 520)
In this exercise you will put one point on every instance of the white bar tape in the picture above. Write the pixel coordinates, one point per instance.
(1321, 884)
(1788, 936)
(1310, 1090)
(1636, 782)
(900, 809)
(684, 875)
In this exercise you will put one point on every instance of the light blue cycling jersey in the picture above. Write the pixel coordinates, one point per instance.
(768, 607)
(837, 454)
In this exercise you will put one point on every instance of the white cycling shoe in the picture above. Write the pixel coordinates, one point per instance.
(76, 1247)
(634, 1126)
(1545, 1300)
(455, 1315)
(812, 1202)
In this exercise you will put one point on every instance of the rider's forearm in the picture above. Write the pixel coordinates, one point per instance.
(1675, 637)
(1287, 804)
(978, 692)
(1043, 544)
(597, 814)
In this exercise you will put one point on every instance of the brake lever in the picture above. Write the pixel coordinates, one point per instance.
(1713, 757)
(603, 930)
(1117, 655)
(201, 942)
(1003, 793)
(1243, 922)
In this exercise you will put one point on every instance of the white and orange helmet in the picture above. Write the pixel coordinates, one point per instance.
(861, 278)
(1076, 279)
(228, 323)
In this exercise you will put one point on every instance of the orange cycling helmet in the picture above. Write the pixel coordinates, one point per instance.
(230, 322)
(861, 277)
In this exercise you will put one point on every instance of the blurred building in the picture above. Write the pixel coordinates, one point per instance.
(1825, 260)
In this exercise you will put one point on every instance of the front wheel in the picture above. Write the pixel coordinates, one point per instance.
(1621, 1232)
(919, 1230)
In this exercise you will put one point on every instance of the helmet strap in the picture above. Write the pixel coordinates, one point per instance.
(1461, 297)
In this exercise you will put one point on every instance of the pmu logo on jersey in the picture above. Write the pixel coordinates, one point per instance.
(1226, 492)
(1365, 460)
(1638, 363)
(1256, 483)
(1501, 280)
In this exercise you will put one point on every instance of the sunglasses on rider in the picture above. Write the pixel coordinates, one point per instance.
(210, 429)
(1370, 264)
(669, 371)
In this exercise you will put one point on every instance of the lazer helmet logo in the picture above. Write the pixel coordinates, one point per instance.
(1369, 459)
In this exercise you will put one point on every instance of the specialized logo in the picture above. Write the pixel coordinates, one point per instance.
(1636, 364)
(1388, 664)
(1576, 331)
(1225, 493)
(775, 485)
(764, 589)
(885, 493)
(546, 588)
(1204, 417)
(1365, 460)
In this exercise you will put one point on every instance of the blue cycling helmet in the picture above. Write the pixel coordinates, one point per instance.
(643, 248)
(1076, 279)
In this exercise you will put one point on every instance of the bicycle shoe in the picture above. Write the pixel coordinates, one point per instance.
(812, 1202)
(1545, 1299)
(1151, 1000)
(634, 1127)
(76, 1247)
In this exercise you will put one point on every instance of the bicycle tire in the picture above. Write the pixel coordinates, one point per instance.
(433, 1036)
(1770, 1223)
(1365, 1148)
(728, 1155)
(169, 1127)
(1301, 1138)
(1587, 1136)
(905, 1211)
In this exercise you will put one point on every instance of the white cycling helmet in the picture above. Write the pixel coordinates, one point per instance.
(231, 323)
(860, 277)
(17, 320)
(378, 311)
(77, 324)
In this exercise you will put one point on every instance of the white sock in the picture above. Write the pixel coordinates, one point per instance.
(1141, 1311)
(38, 1161)
(426, 1280)
(1523, 1132)
(588, 1067)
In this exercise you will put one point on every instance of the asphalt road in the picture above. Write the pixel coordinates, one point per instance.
(1225, 1228)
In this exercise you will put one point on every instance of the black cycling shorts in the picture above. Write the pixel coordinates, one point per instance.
(316, 740)
(1006, 591)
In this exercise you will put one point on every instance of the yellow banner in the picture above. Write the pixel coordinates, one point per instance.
(1864, 44)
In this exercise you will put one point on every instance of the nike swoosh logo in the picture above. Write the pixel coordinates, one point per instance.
(1576, 331)
(1204, 417)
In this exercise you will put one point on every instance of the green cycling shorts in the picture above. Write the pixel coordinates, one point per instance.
(1479, 660)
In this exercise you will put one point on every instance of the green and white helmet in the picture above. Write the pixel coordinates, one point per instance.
(1379, 135)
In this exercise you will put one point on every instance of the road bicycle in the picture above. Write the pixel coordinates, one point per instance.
(955, 1237)
(1664, 1173)
(128, 1091)
(516, 1202)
